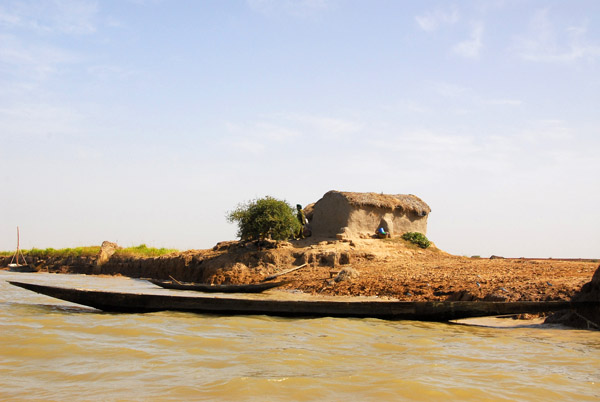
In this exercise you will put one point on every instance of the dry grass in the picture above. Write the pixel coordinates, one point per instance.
(405, 202)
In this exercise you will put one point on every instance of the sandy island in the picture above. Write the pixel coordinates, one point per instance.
(387, 268)
(384, 268)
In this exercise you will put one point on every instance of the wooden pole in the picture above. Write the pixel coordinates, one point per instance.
(19, 252)
(18, 245)
(176, 281)
(268, 278)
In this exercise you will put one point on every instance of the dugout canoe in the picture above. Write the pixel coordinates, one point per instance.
(21, 268)
(202, 287)
(396, 310)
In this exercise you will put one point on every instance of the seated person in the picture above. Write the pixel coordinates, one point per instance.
(381, 233)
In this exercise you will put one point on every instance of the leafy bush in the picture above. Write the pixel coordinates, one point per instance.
(417, 238)
(265, 218)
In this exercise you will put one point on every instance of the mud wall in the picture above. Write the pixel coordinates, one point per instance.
(366, 220)
(181, 267)
(330, 215)
(233, 263)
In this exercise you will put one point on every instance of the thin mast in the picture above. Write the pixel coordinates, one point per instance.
(18, 244)
(18, 253)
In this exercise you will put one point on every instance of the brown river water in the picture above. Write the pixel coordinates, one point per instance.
(52, 350)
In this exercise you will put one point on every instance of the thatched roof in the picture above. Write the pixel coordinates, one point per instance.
(405, 202)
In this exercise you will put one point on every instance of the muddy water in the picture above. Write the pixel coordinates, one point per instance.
(54, 350)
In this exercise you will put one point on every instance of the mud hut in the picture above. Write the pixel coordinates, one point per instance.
(351, 215)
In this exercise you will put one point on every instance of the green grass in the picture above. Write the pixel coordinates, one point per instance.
(408, 244)
(136, 251)
(144, 251)
(89, 251)
(397, 240)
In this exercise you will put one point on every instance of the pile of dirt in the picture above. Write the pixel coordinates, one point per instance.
(586, 314)
(393, 268)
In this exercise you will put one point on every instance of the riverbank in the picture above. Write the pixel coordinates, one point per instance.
(389, 268)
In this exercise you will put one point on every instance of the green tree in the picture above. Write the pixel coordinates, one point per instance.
(265, 218)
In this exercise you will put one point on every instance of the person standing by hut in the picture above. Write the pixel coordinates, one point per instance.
(302, 220)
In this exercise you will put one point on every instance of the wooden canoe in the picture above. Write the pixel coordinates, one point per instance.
(201, 287)
(397, 310)
(21, 268)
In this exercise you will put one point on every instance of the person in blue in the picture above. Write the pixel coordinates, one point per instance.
(381, 233)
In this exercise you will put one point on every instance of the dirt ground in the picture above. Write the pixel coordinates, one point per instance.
(393, 268)
(385, 268)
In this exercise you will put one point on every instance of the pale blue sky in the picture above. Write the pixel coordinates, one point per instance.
(146, 121)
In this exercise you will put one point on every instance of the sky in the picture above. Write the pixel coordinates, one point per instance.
(141, 121)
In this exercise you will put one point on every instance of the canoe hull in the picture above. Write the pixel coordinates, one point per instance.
(397, 310)
(198, 287)
(20, 268)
